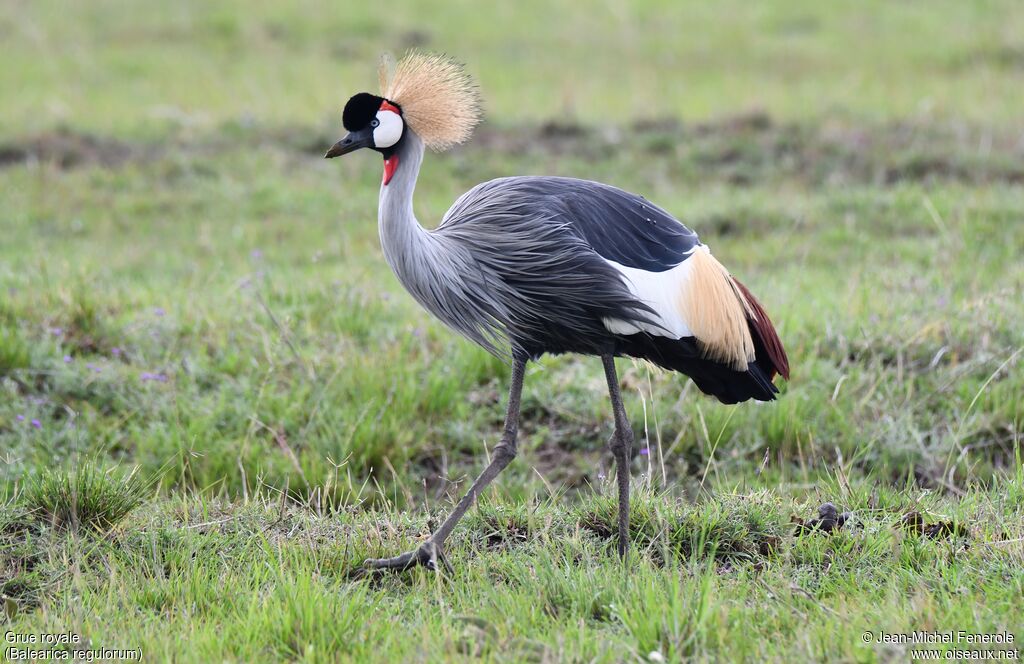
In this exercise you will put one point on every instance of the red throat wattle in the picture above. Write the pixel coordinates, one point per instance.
(390, 166)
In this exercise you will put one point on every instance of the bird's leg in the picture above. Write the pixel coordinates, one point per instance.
(430, 551)
(622, 444)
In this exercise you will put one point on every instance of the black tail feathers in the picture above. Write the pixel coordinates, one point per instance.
(714, 378)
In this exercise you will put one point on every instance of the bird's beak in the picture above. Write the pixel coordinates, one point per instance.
(354, 141)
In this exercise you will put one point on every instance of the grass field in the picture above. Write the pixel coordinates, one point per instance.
(216, 400)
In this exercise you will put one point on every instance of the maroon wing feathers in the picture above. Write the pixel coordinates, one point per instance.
(764, 332)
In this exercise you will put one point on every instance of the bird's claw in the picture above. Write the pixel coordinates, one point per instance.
(426, 555)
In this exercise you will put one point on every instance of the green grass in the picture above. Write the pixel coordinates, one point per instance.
(216, 400)
(211, 580)
(86, 497)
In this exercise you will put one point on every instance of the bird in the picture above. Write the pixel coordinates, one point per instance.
(531, 265)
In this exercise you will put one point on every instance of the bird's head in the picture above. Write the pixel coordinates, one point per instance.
(372, 122)
(429, 95)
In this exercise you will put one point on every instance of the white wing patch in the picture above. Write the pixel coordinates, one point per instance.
(660, 291)
(696, 298)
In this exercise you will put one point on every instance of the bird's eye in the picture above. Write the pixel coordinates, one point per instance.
(375, 122)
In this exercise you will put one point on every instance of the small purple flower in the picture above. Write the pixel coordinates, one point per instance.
(116, 351)
(159, 311)
(644, 451)
(158, 377)
(67, 359)
(37, 424)
(256, 254)
(56, 331)
(20, 418)
(93, 368)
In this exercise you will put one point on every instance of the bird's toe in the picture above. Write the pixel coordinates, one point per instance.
(426, 555)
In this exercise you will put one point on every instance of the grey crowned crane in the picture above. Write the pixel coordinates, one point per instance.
(531, 265)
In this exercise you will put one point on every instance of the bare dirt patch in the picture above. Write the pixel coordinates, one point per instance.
(753, 147)
(745, 149)
(68, 149)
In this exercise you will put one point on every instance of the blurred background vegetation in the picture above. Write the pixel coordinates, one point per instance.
(142, 69)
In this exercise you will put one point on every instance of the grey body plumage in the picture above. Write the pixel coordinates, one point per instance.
(508, 266)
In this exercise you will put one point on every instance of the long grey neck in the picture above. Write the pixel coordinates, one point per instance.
(434, 268)
(401, 236)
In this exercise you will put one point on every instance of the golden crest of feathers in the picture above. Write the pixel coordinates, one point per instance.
(439, 100)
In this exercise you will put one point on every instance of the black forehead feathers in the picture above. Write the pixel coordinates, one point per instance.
(360, 110)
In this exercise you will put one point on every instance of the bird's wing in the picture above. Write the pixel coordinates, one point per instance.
(635, 243)
(617, 225)
(667, 268)
(624, 227)
(684, 291)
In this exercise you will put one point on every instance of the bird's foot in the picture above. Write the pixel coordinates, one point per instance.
(426, 555)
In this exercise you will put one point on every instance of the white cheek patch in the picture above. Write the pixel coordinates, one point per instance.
(389, 130)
